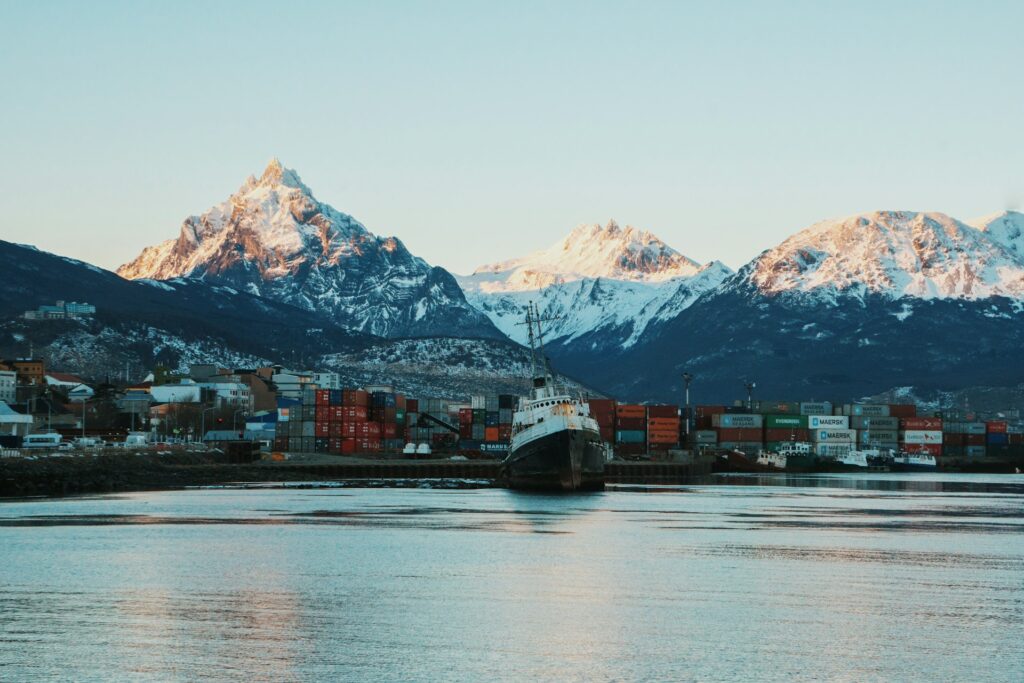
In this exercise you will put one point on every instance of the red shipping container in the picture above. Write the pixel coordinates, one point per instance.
(490, 433)
(322, 429)
(465, 416)
(950, 439)
(400, 401)
(995, 427)
(337, 413)
(601, 405)
(323, 413)
(663, 411)
(390, 430)
(749, 434)
(335, 445)
(607, 434)
(354, 413)
(372, 428)
(776, 434)
(354, 397)
(627, 410)
(337, 429)
(974, 439)
(703, 422)
(902, 410)
(1015, 438)
(465, 431)
(412, 405)
(348, 446)
(637, 423)
(925, 448)
(504, 432)
(323, 397)
(928, 423)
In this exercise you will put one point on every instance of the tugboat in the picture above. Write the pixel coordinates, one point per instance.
(913, 462)
(556, 444)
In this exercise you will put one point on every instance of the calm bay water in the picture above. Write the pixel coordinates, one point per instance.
(851, 578)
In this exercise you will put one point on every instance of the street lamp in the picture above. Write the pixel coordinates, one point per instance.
(202, 423)
(687, 378)
(234, 418)
(750, 394)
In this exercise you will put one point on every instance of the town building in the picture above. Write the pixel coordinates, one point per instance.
(13, 423)
(63, 310)
(8, 386)
(29, 370)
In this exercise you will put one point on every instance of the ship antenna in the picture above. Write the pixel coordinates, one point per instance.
(533, 345)
(540, 340)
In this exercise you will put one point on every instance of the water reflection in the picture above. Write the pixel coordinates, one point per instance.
(830, 579)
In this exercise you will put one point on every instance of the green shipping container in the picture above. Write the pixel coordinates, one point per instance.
(786, 421)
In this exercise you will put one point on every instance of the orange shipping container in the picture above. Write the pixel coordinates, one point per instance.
(630, 410)
(490, 434)
(663, 423)
(663, 437)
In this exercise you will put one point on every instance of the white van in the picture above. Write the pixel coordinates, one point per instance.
(41, 441)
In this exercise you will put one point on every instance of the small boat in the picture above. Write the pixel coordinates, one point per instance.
(855, 459)
(913, 462)
(771, 460)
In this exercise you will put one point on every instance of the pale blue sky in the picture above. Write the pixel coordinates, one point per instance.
(480, 131)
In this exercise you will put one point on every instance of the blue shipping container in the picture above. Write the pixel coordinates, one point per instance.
(630, 436)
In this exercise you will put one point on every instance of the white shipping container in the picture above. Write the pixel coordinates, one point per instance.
(829, 421)
(832, 450)
(833, 435)
(919, 436)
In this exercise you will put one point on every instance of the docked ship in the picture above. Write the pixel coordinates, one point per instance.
(556, 445)
(913, 462)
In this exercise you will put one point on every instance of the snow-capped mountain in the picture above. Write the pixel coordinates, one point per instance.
(896, 254)
(274, 239)
(589, 251)
(883, 299)
(1006, 228)
(602, 284)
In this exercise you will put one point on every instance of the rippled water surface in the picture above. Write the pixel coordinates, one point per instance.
(878, 577)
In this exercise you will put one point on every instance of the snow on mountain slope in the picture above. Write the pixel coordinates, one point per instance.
(607, 281)
(274, 239)
(890, 253)
(589, 251)
(1006, 228)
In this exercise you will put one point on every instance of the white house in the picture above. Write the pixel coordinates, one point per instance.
(230, 394)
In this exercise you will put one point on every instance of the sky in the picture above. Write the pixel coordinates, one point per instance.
(477, 132)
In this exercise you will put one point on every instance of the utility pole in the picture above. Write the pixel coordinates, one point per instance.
(687, 378)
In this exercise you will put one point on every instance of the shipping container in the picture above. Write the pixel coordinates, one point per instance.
(953, 440)
(920, 436)
(873, 436)
(737, 421)
(787, 435)
(777, 408)
(507, 401)
(492, 419)
(902, 410)
(921, 423)
(785, 421)
(924, 448)
(478, 402)
(997, 438)
(323, 397)
(867, 422)
(748, 447)
(706, 436)
(630, 436)
(748, 434)
(631, 423)
(663, 436)
(504, 416)
(974, 451)
(866, 409)
(995, 427)
(662, 411)
(708, 411)
(627, 410)
(831, 449)
(818, 408)
(491, 433)
(833, 435)
(828, 421)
